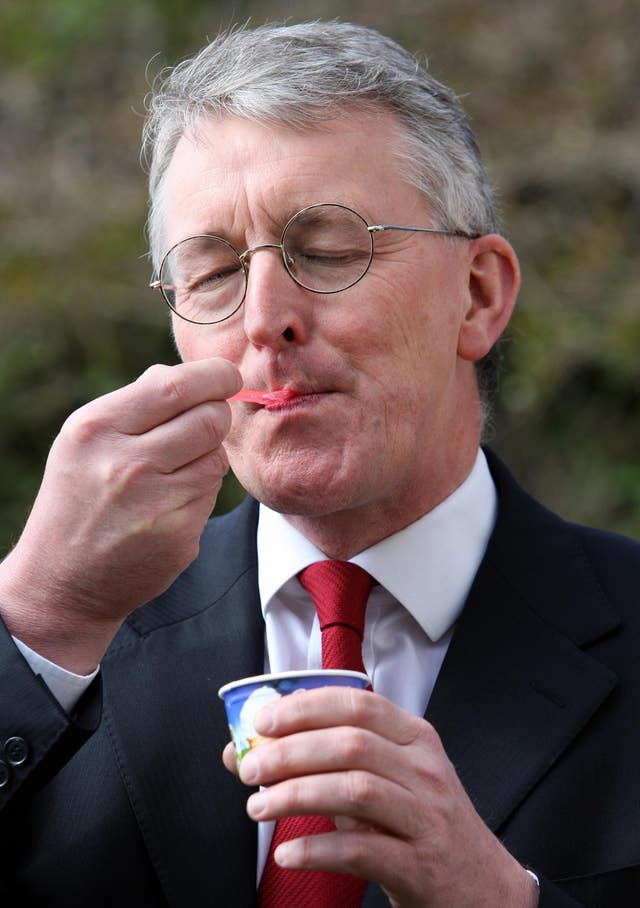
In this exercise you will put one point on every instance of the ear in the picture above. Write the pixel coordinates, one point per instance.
(494, 280)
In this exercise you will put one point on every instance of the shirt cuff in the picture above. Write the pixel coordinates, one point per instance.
(66, 686)
(535, 877)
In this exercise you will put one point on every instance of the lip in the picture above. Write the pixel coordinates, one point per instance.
(294, 401)
(265, 398)
(278, 399)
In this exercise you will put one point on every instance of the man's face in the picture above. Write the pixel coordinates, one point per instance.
(388, 412)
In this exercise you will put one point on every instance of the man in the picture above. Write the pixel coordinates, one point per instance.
(323, 230)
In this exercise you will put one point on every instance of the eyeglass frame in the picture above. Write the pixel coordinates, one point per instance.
(244, 256)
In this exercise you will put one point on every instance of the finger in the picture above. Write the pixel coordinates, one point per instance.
(149, 497)
(186, 506)
(365, 853)
(229, 758)
(346, 823)
(322, 751)
(162, 392)
(186, 437)
(335, 706)
(361, 795)
(196, 485)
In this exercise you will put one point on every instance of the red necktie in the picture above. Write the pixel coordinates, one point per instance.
(339, 591)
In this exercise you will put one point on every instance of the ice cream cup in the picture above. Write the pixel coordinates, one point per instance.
(244, 698)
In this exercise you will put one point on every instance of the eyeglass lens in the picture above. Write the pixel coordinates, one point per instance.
(325, 248)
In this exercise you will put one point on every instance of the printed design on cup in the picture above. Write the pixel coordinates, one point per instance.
(244, 735)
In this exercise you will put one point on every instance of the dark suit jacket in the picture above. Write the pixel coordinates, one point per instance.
(537, 703)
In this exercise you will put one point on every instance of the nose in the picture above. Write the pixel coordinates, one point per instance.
(277, 311)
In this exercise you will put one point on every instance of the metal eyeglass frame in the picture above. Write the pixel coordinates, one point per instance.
(243, 257)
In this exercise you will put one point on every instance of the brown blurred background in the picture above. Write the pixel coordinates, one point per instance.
(553, 89)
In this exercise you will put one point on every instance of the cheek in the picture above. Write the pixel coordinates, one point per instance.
(203, 341)
(394, 343)
(186, 338)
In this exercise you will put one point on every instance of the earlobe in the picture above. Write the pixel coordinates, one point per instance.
(494, 280)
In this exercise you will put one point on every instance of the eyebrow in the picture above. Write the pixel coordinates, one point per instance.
(280, 222)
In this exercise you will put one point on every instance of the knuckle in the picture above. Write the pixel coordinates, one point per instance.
(279, 758)
(305, 846)
(354, 744)
(413, 730)
(296, 706)
(434, 775)
(356, 851)
(155, 373)
(363, 706)
(429, 735)
(359, 790)
(298, 792)
(172, 391)
(82, 427)
(166, 383)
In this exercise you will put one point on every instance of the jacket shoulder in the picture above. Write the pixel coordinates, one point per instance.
(615, 562)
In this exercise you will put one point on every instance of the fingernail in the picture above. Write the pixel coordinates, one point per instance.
(256, 805)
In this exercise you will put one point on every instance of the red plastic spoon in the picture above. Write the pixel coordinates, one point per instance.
(263, 398)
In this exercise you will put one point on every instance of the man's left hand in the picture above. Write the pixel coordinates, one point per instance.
(403, 818)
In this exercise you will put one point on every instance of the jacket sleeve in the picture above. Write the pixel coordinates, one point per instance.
(37, 737)
(551, 896)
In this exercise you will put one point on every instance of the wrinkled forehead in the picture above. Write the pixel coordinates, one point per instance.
(244, 172)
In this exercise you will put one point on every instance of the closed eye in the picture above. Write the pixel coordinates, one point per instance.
(213, 280)
(328, 259)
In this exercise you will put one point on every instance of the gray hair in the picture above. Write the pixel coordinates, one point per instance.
(295, 75)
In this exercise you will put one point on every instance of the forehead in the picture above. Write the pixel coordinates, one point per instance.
(237, 175)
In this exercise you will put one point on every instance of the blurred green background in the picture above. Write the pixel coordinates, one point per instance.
(553, 89)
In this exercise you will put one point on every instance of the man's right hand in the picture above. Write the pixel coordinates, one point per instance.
(129, 484)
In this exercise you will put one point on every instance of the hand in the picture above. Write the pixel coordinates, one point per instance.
(129, 484)
(403, 817)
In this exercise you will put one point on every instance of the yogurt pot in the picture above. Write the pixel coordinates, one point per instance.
(245, 697)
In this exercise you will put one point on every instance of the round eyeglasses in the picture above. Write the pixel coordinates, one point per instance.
(325, 248)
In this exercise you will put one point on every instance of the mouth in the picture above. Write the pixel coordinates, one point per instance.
(266, 398)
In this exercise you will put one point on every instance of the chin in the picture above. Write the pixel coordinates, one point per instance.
(310, 498)
(304, 482)
(295, 504)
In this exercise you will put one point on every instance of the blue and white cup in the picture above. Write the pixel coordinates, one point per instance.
(244, 698)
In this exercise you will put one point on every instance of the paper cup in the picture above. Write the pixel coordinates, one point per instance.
(244, 698)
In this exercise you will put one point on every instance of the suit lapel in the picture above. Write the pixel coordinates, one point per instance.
(168, 740)
(512, 695)
(516, 686)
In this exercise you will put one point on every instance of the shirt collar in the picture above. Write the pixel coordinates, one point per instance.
(428, 566)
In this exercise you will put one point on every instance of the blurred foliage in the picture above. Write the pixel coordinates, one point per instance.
(553, 89)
